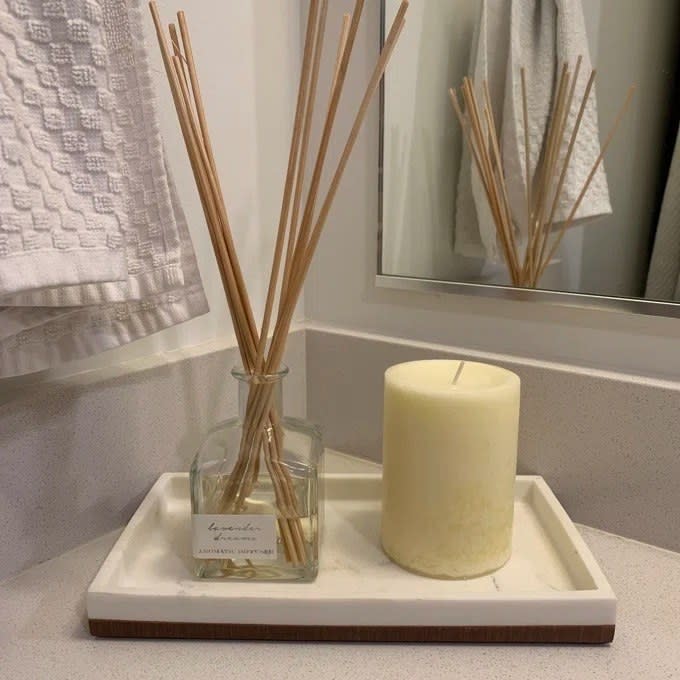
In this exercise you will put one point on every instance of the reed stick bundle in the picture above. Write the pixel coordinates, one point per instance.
(544, 184)
(299, 230)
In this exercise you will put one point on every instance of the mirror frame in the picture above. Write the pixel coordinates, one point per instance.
(438, 286)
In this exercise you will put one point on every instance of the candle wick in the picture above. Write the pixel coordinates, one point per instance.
(461, 365)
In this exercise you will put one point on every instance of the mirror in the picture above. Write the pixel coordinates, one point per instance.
(436, 223)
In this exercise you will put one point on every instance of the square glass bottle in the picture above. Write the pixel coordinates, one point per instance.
(255, 490)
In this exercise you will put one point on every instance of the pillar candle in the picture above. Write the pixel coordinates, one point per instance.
(449, 464)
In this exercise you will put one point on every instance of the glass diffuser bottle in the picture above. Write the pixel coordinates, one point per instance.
(255, 490)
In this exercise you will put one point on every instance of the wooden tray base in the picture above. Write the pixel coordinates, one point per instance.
(432, 634)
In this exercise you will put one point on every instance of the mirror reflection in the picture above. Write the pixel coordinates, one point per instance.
(459, 200)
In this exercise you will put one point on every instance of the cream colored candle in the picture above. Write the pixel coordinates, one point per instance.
(449, 462)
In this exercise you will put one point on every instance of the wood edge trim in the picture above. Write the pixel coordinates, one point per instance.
(584, 634)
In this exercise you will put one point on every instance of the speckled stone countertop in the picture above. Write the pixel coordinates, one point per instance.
(43, 633)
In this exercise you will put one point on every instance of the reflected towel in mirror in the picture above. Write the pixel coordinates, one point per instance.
(539, 35)
(663, 281)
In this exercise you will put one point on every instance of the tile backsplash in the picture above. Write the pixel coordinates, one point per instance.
(78, 455)
(609, 445)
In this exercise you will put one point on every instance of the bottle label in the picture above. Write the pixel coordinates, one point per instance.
(246, 537)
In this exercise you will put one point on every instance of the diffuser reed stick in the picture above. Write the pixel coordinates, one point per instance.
(299, 230)
(544, 186)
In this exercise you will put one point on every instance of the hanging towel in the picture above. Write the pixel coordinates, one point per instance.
(94, 247)
(539, 35)
(663, 280)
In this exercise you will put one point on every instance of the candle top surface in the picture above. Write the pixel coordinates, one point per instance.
(437, 376)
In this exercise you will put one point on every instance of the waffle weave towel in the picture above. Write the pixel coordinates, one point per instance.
(94, 247)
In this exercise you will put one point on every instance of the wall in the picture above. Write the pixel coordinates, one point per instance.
(248, 56)
(347, 253)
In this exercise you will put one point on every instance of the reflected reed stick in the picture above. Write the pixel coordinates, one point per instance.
(544, 186)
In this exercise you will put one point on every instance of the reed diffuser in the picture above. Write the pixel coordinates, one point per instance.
(254, 480)
(527, 262)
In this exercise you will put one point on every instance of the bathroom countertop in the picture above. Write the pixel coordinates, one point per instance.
(43, 633)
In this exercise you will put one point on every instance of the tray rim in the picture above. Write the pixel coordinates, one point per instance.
(101, 590)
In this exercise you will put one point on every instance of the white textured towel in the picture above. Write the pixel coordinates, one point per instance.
(94, 247)
(538, 35)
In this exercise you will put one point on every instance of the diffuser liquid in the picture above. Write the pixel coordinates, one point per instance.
(259, 506)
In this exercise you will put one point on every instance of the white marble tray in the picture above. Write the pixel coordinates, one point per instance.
(551, 590)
